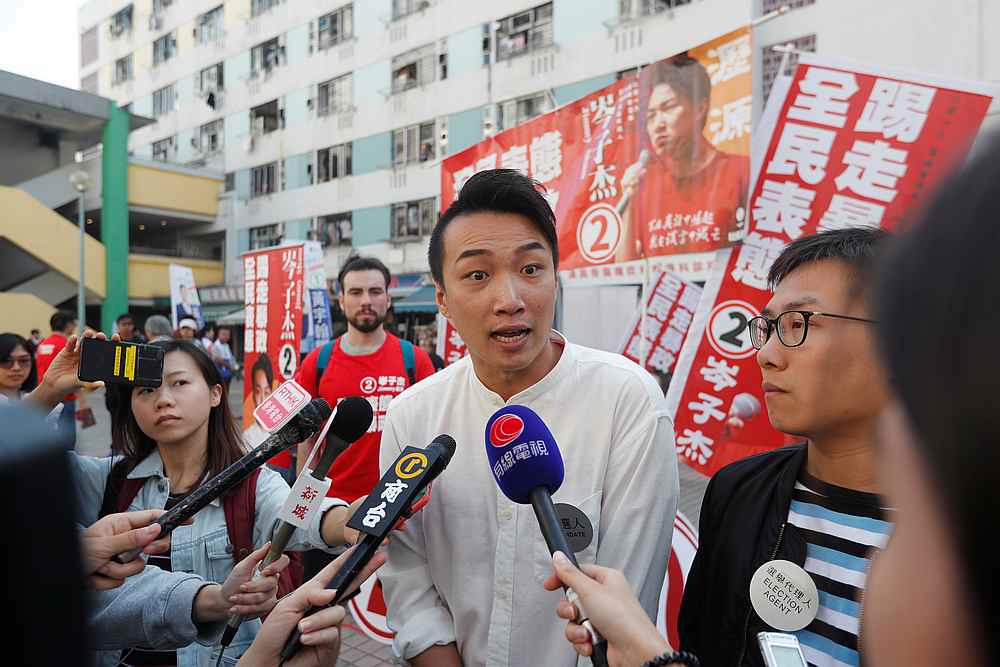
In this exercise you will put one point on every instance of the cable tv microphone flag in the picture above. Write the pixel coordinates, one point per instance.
(528, 468)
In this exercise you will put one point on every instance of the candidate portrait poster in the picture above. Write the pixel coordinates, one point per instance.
(184, 300)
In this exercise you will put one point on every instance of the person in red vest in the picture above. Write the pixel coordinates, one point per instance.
(367, 361)
(63, 325)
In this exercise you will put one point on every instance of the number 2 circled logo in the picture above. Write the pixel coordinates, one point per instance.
(598, 233)
(727, 329)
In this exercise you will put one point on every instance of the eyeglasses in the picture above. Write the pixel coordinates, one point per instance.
(8, 364)
(791, 325)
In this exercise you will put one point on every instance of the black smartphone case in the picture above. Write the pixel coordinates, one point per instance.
(121, 363)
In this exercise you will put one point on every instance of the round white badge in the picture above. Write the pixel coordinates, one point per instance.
(784, 595)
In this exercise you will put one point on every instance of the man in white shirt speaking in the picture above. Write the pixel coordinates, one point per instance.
(463, 582)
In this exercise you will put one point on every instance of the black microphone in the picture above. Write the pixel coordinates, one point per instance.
(528, 468)
(388, 502)
(299, 428)
(350, 421)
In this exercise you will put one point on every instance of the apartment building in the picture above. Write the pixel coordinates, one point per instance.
(329, 119)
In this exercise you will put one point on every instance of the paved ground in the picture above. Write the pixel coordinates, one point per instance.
(358, 650)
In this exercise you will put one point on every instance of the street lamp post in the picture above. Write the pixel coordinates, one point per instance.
(80, 180)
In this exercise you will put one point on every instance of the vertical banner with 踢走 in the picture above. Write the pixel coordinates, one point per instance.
(184, 300)
(273, 294)
(849, 145)
(658, 334)
(651, 166)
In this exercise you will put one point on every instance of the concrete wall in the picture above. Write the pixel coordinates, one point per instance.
(24, 156)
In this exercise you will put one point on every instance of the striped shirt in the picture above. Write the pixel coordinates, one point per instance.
(840, 526)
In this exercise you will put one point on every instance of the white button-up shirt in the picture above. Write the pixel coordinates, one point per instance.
(469, 567)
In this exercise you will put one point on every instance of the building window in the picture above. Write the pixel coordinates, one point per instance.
(267, 236)
(420, 66)
(258, 7)
(163, 101)
(413, 219)
(634, 9)
(521, 110)
(266, 118)
(524, 32)
(334, 96)
(210, 26)
(88, 47)
(401, 8)
(163, 150)
(164, 48)
(230, 182)
(88, 84)
(771, 60)
(210, 137)
(264, 179)
(121, 22)
(335, 27)
(333, 162)
(266, 56)
(123, 70)
(413, 144)
(332, 230)
(160, 6)
(774, 5)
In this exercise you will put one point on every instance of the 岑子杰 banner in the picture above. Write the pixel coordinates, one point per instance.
(848, 145)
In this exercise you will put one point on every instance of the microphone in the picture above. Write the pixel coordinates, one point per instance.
(528, 469)
(300, 428)
(390, 500)
(627, 197)
(351, 420)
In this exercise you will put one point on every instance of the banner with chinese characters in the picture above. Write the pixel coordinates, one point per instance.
(658, 336)
(317, 327)
(450, 345)
(848, 145)
(651, 166)
(273, 294)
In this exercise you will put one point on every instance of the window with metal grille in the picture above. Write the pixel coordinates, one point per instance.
(413, 219)
(414, 143)
(163, 149)
(335, 229)
(121, 22)
(773, 5)
(163, 100)
(210, 137)
(123, 70)
(401, 8)
(524, 32)
(265, 236)
(334, 96)
(520, 110)
(210, 25)
(265, 118)
(635, 9)
(335, 27)
(210, 79)
(266, 56)
(264, 179)
(420, 66)
(333, 162)
(771, 60)
(165, 48)
(258, 7)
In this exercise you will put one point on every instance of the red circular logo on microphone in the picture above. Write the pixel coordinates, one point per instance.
(505, 430)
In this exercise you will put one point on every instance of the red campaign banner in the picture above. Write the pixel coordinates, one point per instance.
(629, 179)
(851, 145)
(272, 287)
(659, 335)
(450, 346)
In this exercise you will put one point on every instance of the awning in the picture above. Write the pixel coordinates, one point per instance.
(405, 284)
(232, 319)
(213, 312)
(420, 301)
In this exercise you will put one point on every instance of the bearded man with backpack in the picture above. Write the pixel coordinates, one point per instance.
(367, 361)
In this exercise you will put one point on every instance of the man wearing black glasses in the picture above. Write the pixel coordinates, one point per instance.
(814, 504)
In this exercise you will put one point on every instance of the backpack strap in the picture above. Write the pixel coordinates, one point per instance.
(119, 490)
(323, 361)
(409, 360)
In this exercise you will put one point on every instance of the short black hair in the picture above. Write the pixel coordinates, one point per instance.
(61, 319)
(686, 76)
(124, 316)
(496, 191)
(359, 263)
(34, 331)
(858, 247)
(937, 333)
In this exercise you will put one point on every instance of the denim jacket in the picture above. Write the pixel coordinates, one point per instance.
(202, 548)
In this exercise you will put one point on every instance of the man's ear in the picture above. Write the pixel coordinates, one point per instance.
(441, 299)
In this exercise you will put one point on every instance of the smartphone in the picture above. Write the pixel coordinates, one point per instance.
(120, 363)
(781, 650)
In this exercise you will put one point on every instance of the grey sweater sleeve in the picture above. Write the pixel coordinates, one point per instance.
(163, 601)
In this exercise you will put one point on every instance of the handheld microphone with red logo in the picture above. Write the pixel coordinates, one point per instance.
(528, 468)
(309, 420)
(351, 421)
(391, 499)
